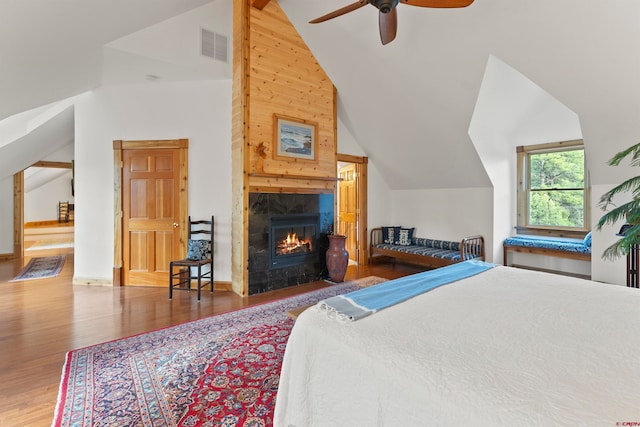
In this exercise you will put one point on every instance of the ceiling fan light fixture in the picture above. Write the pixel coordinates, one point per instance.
(384, 6)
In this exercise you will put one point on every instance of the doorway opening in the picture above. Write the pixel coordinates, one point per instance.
(38, 191)
(351, 206)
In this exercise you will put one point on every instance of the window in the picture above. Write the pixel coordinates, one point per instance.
(553, 189)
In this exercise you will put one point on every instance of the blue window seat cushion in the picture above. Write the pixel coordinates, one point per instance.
(559, 243)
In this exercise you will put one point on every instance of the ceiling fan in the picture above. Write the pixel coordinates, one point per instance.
(388, 17)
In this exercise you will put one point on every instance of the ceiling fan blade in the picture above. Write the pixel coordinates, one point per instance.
(438, 3)
(388, 26)
(342, 11)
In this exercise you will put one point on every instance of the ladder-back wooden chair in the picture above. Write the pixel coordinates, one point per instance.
(63, 211)
(199, 256)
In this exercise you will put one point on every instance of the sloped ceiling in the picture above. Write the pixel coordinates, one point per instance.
(36, 177)
(409, 104)
(52, 49)
(36, 145)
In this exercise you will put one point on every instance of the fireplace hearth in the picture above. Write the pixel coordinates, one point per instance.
(287, 239)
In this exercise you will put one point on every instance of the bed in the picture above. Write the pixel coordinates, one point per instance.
(504, 347)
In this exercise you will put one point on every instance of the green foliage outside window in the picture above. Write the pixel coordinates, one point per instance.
(556, 189)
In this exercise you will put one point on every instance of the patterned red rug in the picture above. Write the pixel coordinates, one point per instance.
(218, 371)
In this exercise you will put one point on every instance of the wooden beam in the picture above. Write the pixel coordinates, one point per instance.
(117, 214)
(350, 158)
(46, 164)
(287, 176)
(259, 4)
(18, 214)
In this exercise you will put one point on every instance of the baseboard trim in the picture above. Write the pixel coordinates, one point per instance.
(222, 286)
(6, 257)
(217, 286)
(91, 281)
(117, 276)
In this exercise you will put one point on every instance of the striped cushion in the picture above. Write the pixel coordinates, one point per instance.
(437, 244)
(561, 244)
(452, 255)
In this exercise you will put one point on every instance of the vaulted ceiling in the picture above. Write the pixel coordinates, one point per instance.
(52, 49)
(408, 104)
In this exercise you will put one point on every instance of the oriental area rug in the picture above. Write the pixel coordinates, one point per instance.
(41, 268)
(219, 371)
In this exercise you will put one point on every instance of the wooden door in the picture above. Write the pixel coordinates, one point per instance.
(347, 207)
(151, 215)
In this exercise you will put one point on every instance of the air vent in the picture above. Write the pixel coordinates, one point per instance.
(214, 45)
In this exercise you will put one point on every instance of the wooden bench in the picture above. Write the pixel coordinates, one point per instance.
(420, 253)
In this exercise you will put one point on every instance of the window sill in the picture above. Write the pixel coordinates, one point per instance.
(552, 232)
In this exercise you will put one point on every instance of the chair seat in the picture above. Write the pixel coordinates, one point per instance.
(190, 262)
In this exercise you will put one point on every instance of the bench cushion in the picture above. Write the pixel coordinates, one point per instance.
(437, 244)
(423, 250)
(558, 243)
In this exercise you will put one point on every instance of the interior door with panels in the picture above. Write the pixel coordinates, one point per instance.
(347, 207)
(151, 214)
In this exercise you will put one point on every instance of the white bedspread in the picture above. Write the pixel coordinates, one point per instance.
(506, 347)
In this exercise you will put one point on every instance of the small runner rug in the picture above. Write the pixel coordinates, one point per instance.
(219, 371)
(41, 268)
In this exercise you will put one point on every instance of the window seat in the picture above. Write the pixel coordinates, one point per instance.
(578, 249)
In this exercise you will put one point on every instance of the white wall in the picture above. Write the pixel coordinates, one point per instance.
(511, 111)
(446, 214)
(609, 271)
(41, 204)
(199, 111)
(45, 187)
(379, 195)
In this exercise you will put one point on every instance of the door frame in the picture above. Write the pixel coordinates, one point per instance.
(183, 213)
(362, 244)
(19, 208)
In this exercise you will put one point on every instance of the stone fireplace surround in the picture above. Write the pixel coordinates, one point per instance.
(265, 206)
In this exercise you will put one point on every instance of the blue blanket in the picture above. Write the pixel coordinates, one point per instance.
(364, 302)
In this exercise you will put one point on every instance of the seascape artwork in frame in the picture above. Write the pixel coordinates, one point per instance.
(294, 138)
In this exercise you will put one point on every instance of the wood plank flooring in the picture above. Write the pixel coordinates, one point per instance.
(41, 320)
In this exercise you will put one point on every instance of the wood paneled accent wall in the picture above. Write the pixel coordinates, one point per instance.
(274, 72)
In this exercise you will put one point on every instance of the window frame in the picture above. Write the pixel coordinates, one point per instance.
(524, 189)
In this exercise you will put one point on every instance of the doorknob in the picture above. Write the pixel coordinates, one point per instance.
(176, 225)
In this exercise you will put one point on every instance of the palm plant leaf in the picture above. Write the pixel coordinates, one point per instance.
(618, 213)
(623, 246)
(635, 158)
(630, 211)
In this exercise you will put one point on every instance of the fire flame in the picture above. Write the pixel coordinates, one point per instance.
(292, 244)
(292, 239)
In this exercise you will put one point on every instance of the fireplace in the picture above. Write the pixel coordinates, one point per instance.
(287, 239)
(292, 240)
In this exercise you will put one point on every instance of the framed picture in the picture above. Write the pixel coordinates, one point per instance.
(294, 138)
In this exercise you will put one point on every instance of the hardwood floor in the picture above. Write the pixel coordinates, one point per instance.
(41, 320)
